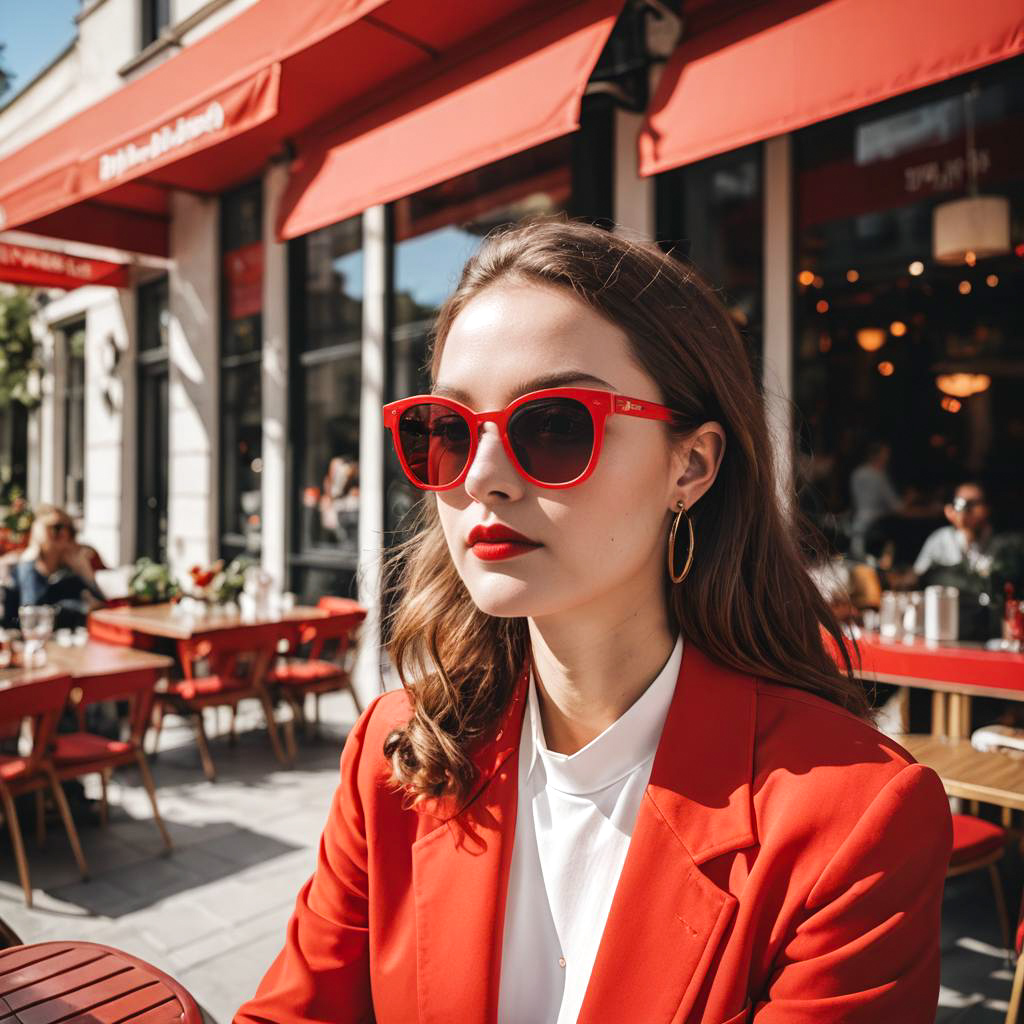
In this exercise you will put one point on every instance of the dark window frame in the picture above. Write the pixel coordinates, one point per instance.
(152, 364)
(155, 16)
(73, 408)
(231, 543)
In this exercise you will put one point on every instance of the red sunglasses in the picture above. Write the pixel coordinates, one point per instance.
(553, 436)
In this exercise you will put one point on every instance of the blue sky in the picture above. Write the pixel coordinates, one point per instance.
(34, 32)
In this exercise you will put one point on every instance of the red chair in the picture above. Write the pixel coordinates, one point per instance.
(85, 753)
(237, 659)
(41, 700)
(980, 844)
(326, 666)
(1013, 1014)
(119, 636)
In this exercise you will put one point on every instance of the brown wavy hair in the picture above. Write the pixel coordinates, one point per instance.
(748, 601)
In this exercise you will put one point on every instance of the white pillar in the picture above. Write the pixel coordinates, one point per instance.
(778, 305)
(371, 447)
(193, 371)
(275, 381)
(633, 196)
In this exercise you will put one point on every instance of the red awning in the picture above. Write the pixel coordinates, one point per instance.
(787, 64)
(264, 78)
(514, 90)
(41, 268)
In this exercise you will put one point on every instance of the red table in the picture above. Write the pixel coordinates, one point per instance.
(954, 671)
(82, 982)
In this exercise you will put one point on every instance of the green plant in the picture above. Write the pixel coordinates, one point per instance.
(229, 581)
(153, 581)
(18, 363)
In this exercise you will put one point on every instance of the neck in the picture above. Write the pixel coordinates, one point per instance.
(48, 561)
(591, 665)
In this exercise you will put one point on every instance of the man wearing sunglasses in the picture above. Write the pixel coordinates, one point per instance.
(968, 537)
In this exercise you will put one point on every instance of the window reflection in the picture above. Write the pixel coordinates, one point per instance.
(879, 320)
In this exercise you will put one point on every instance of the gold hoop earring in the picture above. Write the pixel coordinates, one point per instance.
(672, 545)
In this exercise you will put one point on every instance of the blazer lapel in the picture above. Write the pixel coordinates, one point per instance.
(460, 882)
(668, 918)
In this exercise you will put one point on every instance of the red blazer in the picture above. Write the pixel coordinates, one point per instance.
(786, 867)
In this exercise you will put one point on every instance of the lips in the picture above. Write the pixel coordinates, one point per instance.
(496, 542)
(497, 533)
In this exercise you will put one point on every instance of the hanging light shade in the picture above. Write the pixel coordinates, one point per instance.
(963, 385)
(978, 225)
(871, 339)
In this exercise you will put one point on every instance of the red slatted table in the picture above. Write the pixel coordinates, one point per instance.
(85, 983)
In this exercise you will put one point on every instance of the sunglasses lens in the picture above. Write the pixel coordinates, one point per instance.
(434, 442)
(553, 438)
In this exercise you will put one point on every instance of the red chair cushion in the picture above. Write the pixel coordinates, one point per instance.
(86, 746)
(12, 767)
(974, 838)
(205, 686)
(304, 671)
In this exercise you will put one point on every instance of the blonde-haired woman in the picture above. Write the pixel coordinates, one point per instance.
(624, 780)
(56, 570)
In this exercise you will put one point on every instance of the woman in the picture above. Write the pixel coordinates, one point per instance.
(624, 780)
(56, 570)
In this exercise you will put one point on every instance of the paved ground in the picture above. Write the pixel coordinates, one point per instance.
(213, 914)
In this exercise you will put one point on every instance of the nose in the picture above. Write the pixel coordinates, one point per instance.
(492, 474)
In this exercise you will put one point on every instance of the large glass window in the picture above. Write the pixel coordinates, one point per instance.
(711, 213)
(435, 231)
(326, 372)
(154, 417)
(883, 326)
(241, 423)
(74, 418)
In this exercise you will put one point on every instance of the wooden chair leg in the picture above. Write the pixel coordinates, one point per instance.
(147, 781)
(104, 806)
(19, 847)
(275, 738)
(204, 747)
(69, 823)
(1013, 1010)
(40, 797)
(158, 724)
(997, 890)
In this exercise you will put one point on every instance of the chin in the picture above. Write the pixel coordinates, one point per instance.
(503, 596)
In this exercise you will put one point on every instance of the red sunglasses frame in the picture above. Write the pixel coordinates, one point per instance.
(600, 404)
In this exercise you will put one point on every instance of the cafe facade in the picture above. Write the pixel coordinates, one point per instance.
(287, 192)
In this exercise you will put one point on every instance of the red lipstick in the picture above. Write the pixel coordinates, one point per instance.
(496, 541)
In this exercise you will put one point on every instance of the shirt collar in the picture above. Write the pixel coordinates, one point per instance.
(623, 746)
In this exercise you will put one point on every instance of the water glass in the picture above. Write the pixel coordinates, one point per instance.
(37, 628)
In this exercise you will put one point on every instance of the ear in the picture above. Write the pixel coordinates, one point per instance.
(695, 464)
(950, 514)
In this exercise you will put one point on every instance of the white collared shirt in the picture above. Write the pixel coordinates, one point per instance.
(574, 822)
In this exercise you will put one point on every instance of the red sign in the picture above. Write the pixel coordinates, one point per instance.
(41, 268)
(243, 278)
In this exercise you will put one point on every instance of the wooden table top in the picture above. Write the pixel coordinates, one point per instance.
(83, 981)
(84, 662)
(993, 777)
(169, 620)
(960, 667)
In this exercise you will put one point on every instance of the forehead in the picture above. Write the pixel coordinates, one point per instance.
(516, 337)
(970, 492)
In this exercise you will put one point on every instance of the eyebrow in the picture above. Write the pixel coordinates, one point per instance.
(559, 379)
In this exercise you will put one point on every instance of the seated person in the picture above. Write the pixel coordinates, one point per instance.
(966, 540)
(56, 570)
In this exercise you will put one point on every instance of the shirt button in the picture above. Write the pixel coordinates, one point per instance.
(561, 961)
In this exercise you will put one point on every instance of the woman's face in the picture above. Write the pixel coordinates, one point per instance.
(59, 534)
(604, 537)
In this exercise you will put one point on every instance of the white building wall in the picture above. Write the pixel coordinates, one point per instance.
(194, 282)
(274, 478)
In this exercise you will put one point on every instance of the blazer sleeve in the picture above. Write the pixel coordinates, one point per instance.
(866, 947)
(322, 974)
